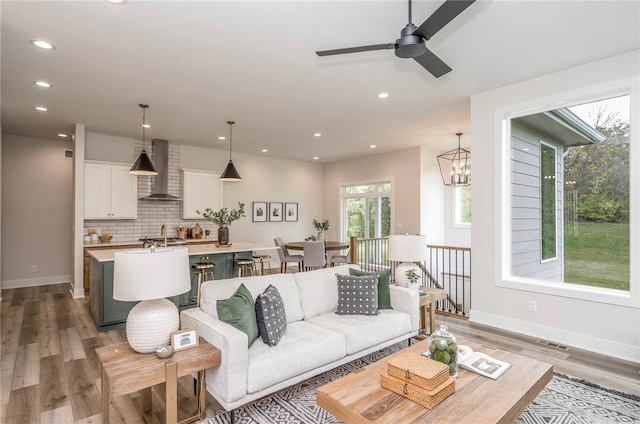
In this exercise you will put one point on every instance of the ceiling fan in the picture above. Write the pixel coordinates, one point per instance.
(411, 43)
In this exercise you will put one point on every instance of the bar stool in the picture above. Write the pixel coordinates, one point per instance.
(261, 257)
(244, 267)
(203, 271)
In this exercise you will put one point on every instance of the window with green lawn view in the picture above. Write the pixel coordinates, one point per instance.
(569, 194)
(366, 210)
(462, 206)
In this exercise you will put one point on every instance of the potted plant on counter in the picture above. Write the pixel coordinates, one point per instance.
(321, 228)
(223, 218)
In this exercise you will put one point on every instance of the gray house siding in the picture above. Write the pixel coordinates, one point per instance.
(526, 225)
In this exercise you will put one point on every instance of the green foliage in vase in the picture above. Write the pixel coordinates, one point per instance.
(223, 217)
(321, 226)
(412, 275)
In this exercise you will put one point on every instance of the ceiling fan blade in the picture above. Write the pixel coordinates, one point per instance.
(357, 49)
(442, 16)
(432, 63)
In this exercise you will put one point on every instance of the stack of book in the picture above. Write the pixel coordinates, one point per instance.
(421, 380)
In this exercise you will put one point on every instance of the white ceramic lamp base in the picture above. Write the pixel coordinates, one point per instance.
(401, 277)
(150, 324)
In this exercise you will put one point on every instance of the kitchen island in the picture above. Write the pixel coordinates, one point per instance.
(109, 314)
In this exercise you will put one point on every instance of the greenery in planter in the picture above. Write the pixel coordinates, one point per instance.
(223, 217)
(321, 226)
(413, 276)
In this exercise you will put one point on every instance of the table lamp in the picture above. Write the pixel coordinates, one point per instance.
(407, 249)
(151, 275)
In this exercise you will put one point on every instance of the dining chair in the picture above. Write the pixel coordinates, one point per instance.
(339, 259)
(285, 257)
(314, 255)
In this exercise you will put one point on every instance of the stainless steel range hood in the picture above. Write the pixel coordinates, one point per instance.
(160, 158)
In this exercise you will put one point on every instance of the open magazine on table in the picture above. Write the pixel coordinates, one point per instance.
(481, 363)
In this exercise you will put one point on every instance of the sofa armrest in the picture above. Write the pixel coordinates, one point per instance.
(229, 380)
(407, 300)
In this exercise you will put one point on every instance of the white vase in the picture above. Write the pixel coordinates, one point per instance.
(322, 236)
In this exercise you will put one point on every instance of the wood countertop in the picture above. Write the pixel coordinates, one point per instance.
(106, 255)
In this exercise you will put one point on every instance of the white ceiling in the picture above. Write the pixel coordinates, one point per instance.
(199, 64)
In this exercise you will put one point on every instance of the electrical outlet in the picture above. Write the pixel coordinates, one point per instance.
(34, 268)
(533, 306)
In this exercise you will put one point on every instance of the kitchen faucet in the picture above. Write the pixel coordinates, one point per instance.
(163, 233)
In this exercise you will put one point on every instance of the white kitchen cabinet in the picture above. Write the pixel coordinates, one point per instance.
(110, 191)
(200, 190)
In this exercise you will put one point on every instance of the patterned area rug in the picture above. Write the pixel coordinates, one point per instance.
(565, 400)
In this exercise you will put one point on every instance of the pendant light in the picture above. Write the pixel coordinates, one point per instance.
(143, 165)
(455, 166)
(230, 173)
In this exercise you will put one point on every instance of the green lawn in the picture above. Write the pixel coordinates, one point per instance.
(598, 255)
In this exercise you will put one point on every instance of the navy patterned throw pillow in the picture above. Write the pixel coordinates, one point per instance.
(272, 320)
(357, 295)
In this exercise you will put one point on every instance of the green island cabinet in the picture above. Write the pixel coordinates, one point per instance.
(109, 314)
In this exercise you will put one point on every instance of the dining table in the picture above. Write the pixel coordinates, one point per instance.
(328, 245)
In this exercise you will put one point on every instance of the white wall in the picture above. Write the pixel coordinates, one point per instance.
(603, 323)
(402, 167)
(37, 201)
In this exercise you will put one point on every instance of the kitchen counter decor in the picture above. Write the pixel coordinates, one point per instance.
(223, 218)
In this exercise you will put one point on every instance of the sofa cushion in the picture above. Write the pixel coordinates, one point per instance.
(357, 295)
(319, 290)
(222, 289)
(384, 296)
(271, 316)
(365, 331)
(239, 311)
(304, 348)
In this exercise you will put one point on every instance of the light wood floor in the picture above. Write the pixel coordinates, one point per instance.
(49, 372)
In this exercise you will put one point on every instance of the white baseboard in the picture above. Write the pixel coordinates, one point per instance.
(619, 350)
(32, 282)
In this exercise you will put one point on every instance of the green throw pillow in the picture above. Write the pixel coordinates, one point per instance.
(239, 311)
(384, 295)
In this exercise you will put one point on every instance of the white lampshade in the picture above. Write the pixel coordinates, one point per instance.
(407, 249)
(151, 275)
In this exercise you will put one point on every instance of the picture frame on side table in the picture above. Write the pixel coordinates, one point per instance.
(291, 212)
(184, 339)
(260, 212)
(275, 211)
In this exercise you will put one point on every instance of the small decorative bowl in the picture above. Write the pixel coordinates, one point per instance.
(164, 352)
(106, 238)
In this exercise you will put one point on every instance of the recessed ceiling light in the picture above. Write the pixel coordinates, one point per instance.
(41, 108)
(372, 146)
(146, 126)
(317, 135)
(43, 84)
(43, 44)
(63, 135)
(316, 158)
(117, 1)
(222, 137)
(383, 95)
(265, 150)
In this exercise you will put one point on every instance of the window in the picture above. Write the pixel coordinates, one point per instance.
(462, 206)
(548, 200)
(569, 195)
(366, 210)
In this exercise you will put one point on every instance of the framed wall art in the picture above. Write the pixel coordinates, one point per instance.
(183, 339)
(275, 211)
(291, 212)
(260, 211)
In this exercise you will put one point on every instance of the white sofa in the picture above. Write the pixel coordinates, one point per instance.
(316, 338)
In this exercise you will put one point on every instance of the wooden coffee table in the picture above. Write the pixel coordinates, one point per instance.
(358, 397)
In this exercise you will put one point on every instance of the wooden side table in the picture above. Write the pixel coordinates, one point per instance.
(430, 299)
(125, 371)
